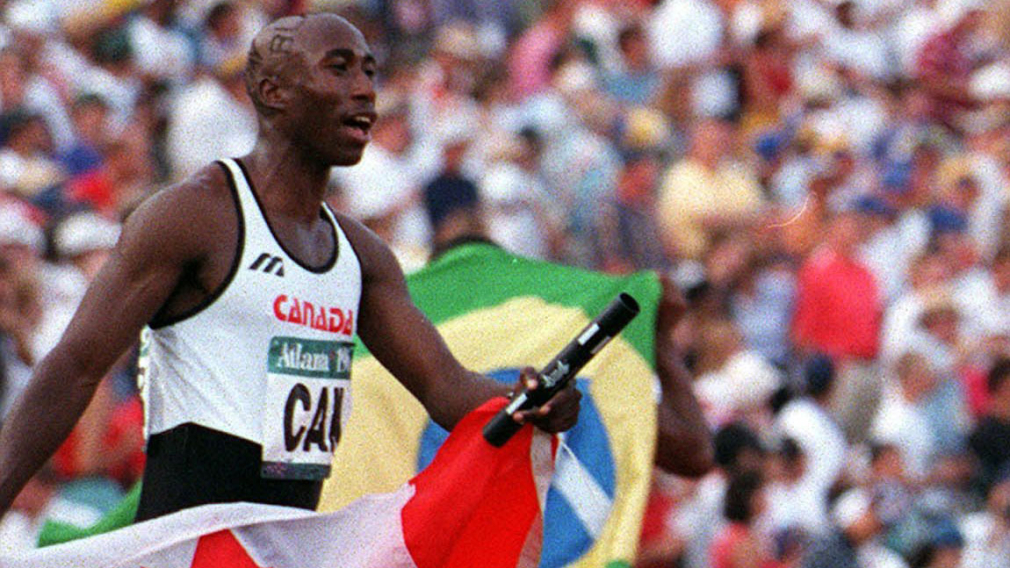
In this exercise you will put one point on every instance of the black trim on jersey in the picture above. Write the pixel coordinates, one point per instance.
(156, 322)
(326, 266)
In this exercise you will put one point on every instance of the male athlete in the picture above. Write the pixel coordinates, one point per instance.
(248, 290)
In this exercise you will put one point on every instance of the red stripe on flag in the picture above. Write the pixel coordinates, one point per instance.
(475, 504)
(221, 550)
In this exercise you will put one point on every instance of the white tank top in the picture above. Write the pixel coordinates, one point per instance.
(267, 358)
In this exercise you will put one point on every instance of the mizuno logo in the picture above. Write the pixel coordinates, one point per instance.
(269, 264)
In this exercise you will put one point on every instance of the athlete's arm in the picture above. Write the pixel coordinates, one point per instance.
(684, 444)
(403, 339)
(159, 241)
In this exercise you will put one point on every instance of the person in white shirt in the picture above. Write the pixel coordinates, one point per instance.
(211, 117)
(807, 421)
(902, 419)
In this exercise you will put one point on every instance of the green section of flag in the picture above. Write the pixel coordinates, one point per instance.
(478, 275)
(120, 516)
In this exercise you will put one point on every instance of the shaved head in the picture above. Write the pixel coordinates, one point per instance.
(277, 52)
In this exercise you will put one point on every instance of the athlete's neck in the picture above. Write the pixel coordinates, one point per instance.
(285, 180)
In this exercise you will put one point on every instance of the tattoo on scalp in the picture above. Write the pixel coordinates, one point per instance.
(281, 43)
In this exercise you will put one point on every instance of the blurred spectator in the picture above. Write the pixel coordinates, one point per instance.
(861, 515)
(24, 80)
(163, 51)
(761, 304)
(125, 177)
(638, 81)
(81, 242)
(707, 193)
(944, 62)
(532, 53)
(581, 163)
(767, 78)
(660, 545)
(987, 532)
(696, 58)
(838, 312)
(902, 417)
(226, 39)
(942, 550)
(733, 382)
(887, 250)
(912, 29)
(699, 519)
(26, 160)
(114, 75)
(451, 189)
(806, 421)
(927, 276)
(646, 137)
(520, 214)
(988, 441)
(210, 118)
(21, 308)
(853, 46)
(738, 544)
(90, 115)
(493, 20)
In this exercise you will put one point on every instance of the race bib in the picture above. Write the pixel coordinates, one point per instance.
(308, 384)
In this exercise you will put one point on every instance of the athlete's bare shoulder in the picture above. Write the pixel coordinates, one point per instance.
(187, 233)
(377, 259)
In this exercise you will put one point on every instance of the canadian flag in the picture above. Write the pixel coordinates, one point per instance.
(474, 505)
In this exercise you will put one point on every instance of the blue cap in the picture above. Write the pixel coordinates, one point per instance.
(944, 219)
(874, 205)
(818, 373)
(769, 144)
(945, 534)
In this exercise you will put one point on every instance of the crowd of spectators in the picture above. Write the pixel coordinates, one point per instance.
(826, 180)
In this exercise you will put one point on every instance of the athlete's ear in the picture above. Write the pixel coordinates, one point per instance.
(271, 93)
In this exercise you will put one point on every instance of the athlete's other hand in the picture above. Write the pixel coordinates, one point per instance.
(558, 414)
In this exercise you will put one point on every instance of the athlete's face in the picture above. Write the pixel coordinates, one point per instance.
(333, 96)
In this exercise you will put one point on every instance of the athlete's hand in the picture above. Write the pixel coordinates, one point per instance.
(558, 414)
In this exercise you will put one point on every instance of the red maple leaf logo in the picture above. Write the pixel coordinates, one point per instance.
(221, 550)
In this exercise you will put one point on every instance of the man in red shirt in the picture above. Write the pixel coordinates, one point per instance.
(838, 313)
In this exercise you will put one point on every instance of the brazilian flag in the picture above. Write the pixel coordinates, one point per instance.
(499, 313)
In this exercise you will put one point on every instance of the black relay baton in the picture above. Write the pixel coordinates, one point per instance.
(563, 367)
